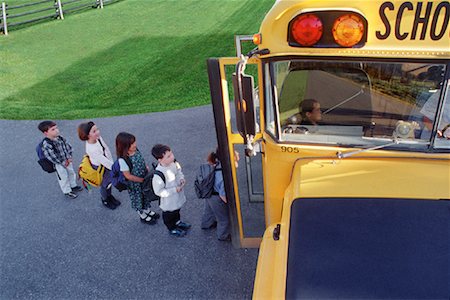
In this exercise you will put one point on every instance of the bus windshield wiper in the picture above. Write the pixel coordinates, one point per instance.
(340, 155)
(360, 92)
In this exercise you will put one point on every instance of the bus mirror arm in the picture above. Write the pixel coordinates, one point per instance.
(240, 68)
(257, 51)
(250, 149)
(246, 106)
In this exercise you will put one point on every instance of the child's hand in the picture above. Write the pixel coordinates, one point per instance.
(179, 189)
(67, 162)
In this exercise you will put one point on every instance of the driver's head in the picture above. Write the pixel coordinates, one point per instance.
(310, 110)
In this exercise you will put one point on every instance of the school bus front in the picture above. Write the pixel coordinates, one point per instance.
(348, 107)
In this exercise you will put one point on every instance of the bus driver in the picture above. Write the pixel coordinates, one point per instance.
(309, 114)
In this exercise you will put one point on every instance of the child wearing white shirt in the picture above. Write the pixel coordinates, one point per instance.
(171, 192)
(99, 154)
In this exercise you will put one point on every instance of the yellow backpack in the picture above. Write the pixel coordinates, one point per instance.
(89, 174)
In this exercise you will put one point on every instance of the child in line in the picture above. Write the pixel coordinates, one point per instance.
(171, 192)
(134, 169)
(57, 150)
(215, 213)
(99, 154)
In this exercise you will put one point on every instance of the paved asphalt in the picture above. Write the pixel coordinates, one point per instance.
(55, 248)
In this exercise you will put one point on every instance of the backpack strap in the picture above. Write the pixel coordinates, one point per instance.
(128, 161)
(161, 174)
(50, 142)
(216, 169)
(103, 147)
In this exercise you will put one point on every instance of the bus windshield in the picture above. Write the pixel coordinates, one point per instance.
(356, 103)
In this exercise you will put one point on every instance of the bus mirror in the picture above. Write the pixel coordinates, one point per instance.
(244, 105)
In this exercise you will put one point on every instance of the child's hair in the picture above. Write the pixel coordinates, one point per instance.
(214, 157)
(158, 150)
(84, 129)
(307, 105)
(44, 126)
(123, 143)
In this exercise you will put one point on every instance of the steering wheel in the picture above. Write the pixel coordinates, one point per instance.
(295, 129)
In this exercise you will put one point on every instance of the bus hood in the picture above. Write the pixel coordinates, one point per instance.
(351, 227)
(370, 177)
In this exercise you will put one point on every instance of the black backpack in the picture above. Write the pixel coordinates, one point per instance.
(45, 164)
(147, 185)
(204, 181)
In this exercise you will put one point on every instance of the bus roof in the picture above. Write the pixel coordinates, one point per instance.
(395, 29)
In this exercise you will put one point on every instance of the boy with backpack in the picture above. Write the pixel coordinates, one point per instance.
(57, 151)
(170, 190)
(209, 185)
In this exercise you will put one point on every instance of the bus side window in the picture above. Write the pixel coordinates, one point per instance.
(269, 104)
(442, 140)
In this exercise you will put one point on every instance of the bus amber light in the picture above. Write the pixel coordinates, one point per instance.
(348, 30)
(257, 39)
(307, 29)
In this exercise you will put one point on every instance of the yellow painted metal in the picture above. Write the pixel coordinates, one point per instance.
(278, 165)
(274, 30)
(270, 281)
(376, 176)
(316, 172)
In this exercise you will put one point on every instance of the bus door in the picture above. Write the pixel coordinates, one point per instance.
(243, 178)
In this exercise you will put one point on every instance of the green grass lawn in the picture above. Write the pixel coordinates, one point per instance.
(134, 56)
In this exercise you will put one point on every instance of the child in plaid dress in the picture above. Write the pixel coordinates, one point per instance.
(134, 169)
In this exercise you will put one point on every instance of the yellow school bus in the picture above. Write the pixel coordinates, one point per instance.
(342, 109)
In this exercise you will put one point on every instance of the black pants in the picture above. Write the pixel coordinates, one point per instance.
(171, 218)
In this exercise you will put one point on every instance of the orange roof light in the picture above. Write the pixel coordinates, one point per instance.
(348, 30)
(257, 39)
(307, 29)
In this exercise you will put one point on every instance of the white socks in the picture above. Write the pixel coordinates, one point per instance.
(145, 213)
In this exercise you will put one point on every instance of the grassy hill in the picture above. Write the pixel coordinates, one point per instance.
(134, 56)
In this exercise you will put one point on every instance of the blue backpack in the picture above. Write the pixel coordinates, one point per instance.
(118, 180)
(45, 164)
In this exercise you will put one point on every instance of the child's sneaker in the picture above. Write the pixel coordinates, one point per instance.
(225, 239)
(70, 195)
(154, 214)
(77, 188)
(183, 226)
(177, 232)
(107, 203)
(114, 200)
(146, 218)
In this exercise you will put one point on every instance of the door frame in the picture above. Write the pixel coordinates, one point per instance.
(227, 139)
